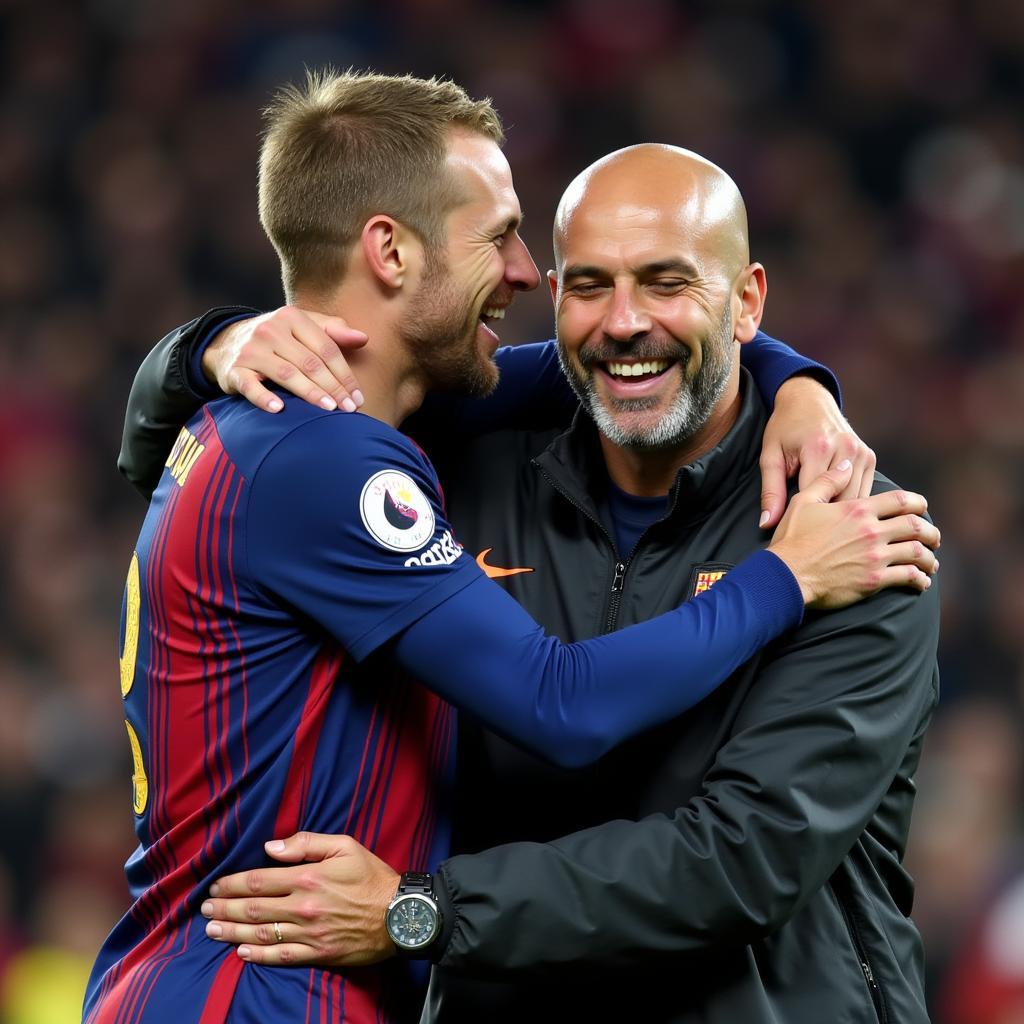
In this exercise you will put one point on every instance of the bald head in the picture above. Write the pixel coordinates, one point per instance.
(655, 187)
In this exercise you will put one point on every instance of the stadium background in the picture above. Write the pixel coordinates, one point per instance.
(880, 147)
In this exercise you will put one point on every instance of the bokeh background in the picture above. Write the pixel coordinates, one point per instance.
(880, 147)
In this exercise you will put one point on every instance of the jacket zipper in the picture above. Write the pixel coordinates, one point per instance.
(619, 575)
(862, 956)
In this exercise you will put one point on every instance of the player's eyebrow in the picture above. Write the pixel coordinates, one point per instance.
(514, 223)
(582, 270)
(676, 265)
(673, 266)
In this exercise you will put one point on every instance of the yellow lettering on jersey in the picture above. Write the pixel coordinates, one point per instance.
(183, 456)
(140, 784)
(179, 442)
(132, 599)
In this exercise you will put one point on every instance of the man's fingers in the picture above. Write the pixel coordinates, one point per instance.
(281, 954)
(913, 552)
(816, 457)
(827, 485)
(773, 488)
(849, 446)
(324, 363)
(904, 576)
(306, 846)
(258, 882)
(249, 910)
(248, 384)
(864, 473)
(255, 934)
(911, 527)
(896, 503)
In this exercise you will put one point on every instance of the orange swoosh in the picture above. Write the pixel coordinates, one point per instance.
(495, 572)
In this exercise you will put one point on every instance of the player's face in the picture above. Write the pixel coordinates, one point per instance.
(469, 284)
(645, 329)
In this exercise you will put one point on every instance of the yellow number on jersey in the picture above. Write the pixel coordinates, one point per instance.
(131, 627)
(140, 783)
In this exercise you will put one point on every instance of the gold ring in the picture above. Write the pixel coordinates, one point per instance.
(278, 937)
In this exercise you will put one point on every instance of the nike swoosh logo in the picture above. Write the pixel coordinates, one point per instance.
(495, 572)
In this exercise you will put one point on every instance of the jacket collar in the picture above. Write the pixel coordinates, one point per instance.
(574, 463)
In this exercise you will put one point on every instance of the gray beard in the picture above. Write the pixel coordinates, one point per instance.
(691, 407)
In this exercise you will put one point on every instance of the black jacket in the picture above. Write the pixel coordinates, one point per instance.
(741, 864)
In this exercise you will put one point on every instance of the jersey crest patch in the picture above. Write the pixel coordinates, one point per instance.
(395, 512)
(706, 575)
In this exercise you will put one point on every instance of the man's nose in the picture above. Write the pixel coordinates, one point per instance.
(626, 318)
(520, 270)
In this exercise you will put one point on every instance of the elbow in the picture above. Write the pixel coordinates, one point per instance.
(575, 747)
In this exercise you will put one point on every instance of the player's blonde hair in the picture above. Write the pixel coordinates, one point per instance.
(345, 146)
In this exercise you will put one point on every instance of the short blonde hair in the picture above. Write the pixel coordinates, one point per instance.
(348, 145)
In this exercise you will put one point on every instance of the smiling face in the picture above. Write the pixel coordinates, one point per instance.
(650, 283)
(470, 282)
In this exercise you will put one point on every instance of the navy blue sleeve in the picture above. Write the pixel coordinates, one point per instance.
(345, 524)
(532, 394)
(772, 362)
(218, 319)
(571, 703)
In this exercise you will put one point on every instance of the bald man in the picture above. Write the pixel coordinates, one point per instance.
(743, 863)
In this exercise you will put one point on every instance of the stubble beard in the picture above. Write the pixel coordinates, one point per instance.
(690, 408)
(441, 331)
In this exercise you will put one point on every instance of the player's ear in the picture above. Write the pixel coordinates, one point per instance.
(390, 250)
(748, 300)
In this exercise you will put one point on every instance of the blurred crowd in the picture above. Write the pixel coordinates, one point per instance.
(880, 147)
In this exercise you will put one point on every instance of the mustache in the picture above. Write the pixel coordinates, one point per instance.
(645, 349)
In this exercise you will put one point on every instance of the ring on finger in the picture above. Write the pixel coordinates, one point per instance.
(278, 937)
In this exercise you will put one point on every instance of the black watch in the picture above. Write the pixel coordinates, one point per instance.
(413, 919)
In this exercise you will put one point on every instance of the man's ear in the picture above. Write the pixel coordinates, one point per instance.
(752, 288)
(553, 284)
(390, 249)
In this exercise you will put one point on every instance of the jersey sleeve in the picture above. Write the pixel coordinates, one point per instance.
(346, 525)
(532, 394)
(571, 703)
(772, 362)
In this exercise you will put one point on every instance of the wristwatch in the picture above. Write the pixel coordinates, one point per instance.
(413, 920)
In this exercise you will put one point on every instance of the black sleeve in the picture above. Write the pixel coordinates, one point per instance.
(164, 397)
(823, 732)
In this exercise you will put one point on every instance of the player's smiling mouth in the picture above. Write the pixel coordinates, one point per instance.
(635, 370)
(491, 313)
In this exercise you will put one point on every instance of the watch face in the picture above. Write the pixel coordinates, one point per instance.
(412, 921)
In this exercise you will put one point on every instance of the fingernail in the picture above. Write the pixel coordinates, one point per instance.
(275, 405)
(244, 952)
(348, 405)
(765, 516)
(275, 846)
(214, 930)
(328, 403)
(206, 909)
(215, 889)
(936, 568)
(357, 397)
(844, 465)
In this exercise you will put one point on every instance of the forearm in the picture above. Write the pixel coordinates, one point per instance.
(821, 736)
(571, 703)
(165, 394)
(772, 362)
(532, 394)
